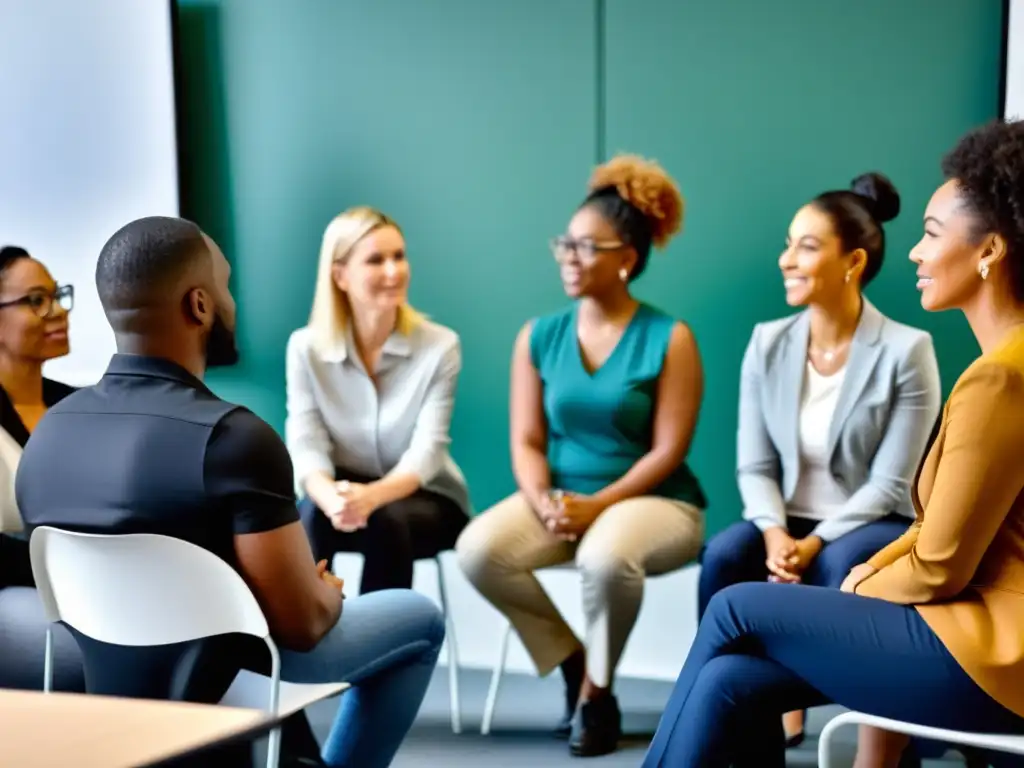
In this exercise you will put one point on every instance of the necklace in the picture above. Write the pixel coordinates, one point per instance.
(828, 355)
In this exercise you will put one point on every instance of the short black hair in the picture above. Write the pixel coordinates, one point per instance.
(857, 216)
(10, 254)
(142, 261)
(987, 165)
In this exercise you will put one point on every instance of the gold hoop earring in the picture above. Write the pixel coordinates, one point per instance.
(623, 274)
(983, 270)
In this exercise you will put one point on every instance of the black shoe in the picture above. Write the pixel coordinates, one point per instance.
(573, 671)
(596, 728)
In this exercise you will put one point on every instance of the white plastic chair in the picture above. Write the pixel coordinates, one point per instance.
(994, 741)
(453, 649)
(147, 590)
(496, 674)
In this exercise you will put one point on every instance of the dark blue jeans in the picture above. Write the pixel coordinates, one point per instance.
(764, 649)
(737, 554)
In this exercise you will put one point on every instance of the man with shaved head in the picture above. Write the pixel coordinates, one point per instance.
(163, 285)
(151, 449)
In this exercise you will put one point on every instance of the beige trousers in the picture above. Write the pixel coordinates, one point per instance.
(500, 549)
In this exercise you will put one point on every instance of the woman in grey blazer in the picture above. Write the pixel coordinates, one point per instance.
(836, 406)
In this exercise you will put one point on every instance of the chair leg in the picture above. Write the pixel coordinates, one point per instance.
(48, 660)
(274, 748)
(453, 651)
(825, 741)
(492, 692)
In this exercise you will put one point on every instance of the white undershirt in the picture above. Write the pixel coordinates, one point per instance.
(817, 494)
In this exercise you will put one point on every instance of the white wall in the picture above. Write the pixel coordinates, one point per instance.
(87, 142)
(1015, 62)
(656, 650)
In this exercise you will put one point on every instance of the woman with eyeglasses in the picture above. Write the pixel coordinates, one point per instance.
(605, 398)
(33, 329)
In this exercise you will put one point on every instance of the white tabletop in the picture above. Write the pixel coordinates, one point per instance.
(47, 729)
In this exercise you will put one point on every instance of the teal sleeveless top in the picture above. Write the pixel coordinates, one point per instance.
(600, 424)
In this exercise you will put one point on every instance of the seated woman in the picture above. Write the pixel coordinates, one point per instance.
(371, 386)
(931, 628)
(605, 398)
(33, 329)
(836, 405)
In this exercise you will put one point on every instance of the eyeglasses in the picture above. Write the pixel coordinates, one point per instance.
(43, 303)
(586, 250)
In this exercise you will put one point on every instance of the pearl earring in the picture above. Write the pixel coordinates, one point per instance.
(983, 270)
(623, 274)
(847, 278)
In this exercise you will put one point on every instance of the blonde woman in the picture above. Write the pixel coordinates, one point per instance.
(371, 386)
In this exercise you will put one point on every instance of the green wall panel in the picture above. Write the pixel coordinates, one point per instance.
(757, 106)
(471, 123)
(476, 124)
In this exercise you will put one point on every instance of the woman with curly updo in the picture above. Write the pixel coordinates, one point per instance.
(605, 399)
(931, 628)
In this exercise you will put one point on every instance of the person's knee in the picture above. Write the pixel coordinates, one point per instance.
(830, 571)
(388, 520)
(732, 600)
(730, 548)
(603, 565)
(422, 615)
(720, 675)
(477, 551)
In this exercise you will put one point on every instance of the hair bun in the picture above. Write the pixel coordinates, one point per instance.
(647, 186)
(879, 191)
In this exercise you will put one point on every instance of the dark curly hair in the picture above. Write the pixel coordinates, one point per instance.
(987, 165)
(857, 216)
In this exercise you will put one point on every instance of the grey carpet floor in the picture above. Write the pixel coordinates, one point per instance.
(528, 706)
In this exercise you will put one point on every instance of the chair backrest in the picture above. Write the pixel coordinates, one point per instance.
(10, 455)
(140, 589)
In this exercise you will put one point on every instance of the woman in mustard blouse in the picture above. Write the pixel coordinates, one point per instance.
(930, 629)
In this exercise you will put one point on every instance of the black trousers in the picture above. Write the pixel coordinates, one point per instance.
(15, 564)
(395, 537)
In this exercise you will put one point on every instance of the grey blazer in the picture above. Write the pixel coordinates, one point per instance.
(888, 404)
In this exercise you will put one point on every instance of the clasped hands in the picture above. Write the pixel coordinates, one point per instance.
(350, 506)
(788, 558)
(567, 515)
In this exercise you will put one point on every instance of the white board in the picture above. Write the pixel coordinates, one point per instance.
(1014, 106)
(87, 143)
